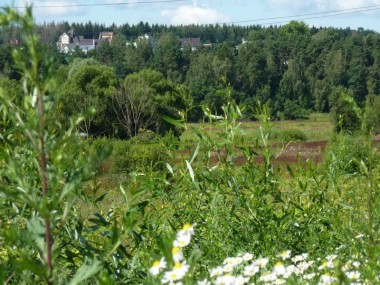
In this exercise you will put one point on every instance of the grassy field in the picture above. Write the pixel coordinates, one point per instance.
(318, 127)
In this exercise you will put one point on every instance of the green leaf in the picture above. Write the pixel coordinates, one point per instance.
(195, 153)
(168, 166)
(101, 197)
(191, 171)
(290, 171)
(87, 270)
(177, 123)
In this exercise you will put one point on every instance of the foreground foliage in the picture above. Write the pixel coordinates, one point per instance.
(60, 224)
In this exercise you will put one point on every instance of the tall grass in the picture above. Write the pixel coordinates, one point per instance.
(245, 213)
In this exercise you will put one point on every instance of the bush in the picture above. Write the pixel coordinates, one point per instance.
(346, 152)
(136, 155)
(289, 135)
(345, 113)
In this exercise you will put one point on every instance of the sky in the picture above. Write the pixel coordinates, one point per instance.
(347, 13)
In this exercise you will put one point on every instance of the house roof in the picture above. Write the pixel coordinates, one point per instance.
(103, 35)
(194, 42)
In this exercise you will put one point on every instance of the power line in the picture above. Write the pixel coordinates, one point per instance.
(336, 12)
(100, 4)
(322, 16)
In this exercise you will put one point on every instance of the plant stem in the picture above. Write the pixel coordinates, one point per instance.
(44, 185)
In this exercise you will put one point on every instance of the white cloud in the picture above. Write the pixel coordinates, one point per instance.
(320, 5)
(185, 15)
(53, 8)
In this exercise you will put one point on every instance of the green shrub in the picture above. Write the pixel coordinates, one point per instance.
(288, 135)
(345, 153)
(136, 155)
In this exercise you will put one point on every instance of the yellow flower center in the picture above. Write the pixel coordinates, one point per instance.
(187, 226)
(176, 250)
(156, 263)
(178, 265)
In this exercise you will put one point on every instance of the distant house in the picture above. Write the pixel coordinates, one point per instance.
(14, 42)
(194, 43)
(106, 36)
(144, 39)
(69, 41)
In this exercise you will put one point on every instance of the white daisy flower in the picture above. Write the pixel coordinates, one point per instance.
(182, 240)
(279, 269)
(228, 268)
(251, 270)
(353, 275)
(240, 280)
(204, 282)
(261, 262)
(225, 280)
(309, 276)
(326, 279)
(177, 273)
(247, 256)
(268, 277)
(217, 271)
(285, 254)
(188, 229)
(177, 254)
(157, 266)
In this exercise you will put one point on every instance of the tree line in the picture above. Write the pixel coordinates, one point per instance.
(293, 68)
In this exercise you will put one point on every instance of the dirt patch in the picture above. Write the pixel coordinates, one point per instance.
(293, 153)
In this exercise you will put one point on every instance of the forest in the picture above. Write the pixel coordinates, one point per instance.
(141, 163)
(294, 69)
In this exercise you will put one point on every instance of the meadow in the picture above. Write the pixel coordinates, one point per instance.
(211, 208)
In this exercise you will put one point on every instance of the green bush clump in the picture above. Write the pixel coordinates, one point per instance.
(135, 154)
(288, 135)
(346, 153)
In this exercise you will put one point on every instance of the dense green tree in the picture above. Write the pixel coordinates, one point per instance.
(88, 92)
(168, 57)
(138, 55)
(345, 112)
(145, 97)
(372, 114)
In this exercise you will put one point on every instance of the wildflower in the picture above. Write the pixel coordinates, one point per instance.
(279, 269)
(279, 281)
(251, 270)
(289, 270)
(233, 261)
(177, 273)
(177, 254)
(285, 254)
(225, 280)
(157, 266)
(247, 256)
(217, 271)
(356, 264)
(204, 282)
(326, 279)
(261, 262)
(188, 229)
(182, 240)
(300, 257)
(303, 266)
(331, 257)
(309, 276)
(228, 268)
(326, 264)
(353, 275)
(240, 280)
(268, 277)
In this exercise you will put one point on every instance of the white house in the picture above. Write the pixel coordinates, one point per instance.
(69, 41)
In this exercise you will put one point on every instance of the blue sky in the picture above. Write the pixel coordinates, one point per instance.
(263, 12)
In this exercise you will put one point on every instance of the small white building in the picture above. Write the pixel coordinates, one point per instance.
(69, 41)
